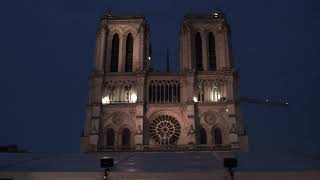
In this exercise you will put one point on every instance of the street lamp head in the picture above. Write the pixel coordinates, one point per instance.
(230, 163)
(106, 162)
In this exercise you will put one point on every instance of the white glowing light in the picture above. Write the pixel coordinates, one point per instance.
(215, 15)
(130, 163)
(133, 97)
(227, 110)
(195, 99)
(131, 170)
(149, 57)
(105, 100)
(215, 96)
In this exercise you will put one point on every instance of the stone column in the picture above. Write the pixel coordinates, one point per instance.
(223, 49)
(139, 120)
(230, 89)
(226, 89)
(122, 53)
(139, 125)
(140, 88)
(142, 55)
(185, 48)
(220, 50)
(94, 111)
(190, 87)
(183, 84)
(136, 50)
(108, 53)
(207, 92)
(100, 45)
(227, 48)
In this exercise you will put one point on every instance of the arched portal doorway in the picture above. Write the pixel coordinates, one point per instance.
(217, 136)
(125, 137)
(203, 136)
(110, 137)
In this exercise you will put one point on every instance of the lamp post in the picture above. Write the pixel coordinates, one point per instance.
(106, 163)
(230, 164)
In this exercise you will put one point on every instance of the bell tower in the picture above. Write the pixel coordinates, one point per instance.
(122, 44)
(212, 88)
(204, 43)
(117, 82)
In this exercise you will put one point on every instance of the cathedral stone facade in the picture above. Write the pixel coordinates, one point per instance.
(131, 107)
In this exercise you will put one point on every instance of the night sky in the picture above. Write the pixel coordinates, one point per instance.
(47, 52)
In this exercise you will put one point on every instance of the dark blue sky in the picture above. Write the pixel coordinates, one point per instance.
(47, 50)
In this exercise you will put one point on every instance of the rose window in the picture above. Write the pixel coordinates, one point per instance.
(165, 130)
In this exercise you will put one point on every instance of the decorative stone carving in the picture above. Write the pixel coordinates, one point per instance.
(104, 115)
(140, 82)
(94, 130)
(132, 111)
(182, 108)
(117, 83)
(139, 131)
(117, 118)
(191, 130)
(185, 82)
(210, 118)
(233, 129)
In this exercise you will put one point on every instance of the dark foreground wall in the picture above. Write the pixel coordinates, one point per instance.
(219, 175)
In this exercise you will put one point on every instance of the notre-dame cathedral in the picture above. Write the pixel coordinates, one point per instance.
(132, 107)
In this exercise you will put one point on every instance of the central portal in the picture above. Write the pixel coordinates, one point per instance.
(165, 130)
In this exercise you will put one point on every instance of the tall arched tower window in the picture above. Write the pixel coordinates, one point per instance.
(115, 53)
(217, 136)
(129, 53)
(198, 49)
(212, 52)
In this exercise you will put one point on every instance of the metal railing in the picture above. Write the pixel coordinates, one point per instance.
(160, 148)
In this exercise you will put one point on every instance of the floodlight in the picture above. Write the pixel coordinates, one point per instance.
(106, 162)
(230, 163)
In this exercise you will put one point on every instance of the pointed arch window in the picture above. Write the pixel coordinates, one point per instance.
(217, 136)
(198, 52)
(203, 136)
(212, 52)
(129, 53)
(110, 137)
(125, 137)
(115, 53)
